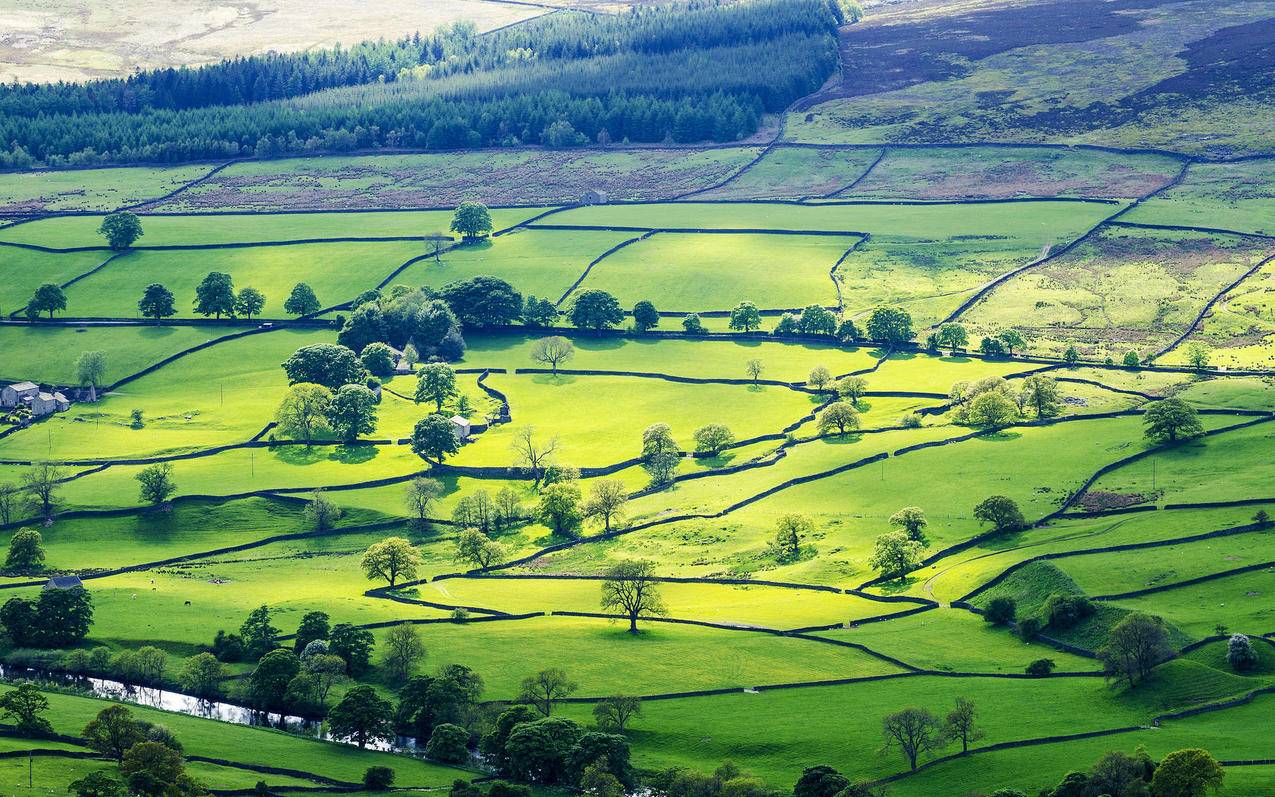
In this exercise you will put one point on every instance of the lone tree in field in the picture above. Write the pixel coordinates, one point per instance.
(790, 530)
(303, 413)
(890, 325)
(894, 554)
(607, 498)
(1040, 392)
(1001, 512)
(302, 300)
(595, 309)
(472, 220)
(552, 351)
(645, 316)
(1170, 420)
(820, 378)
(840, 416)
(1011, 339)
(90, 371)
(545, 688)
(41, 484)
(1187, 773)
(48, 298)
(436, 382)
(960, 725)
(26, 706)
(157, 484)
(1134, 646)
(120, 230)
(852, 388)
(215, 295)
(422, 493)
(911, 521)
(26, 552)
(1198, 355)
(478, 549)
(321, 513)
(1239, 650)
(913, 731)
(613, 713)
(157, 302)
(712, 439)
(391, 559)
(532, 452)
(754, 370)
(249, 303)
(630, 588)
(660, 454)
(745, 317)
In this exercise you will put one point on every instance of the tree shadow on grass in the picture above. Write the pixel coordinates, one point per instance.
(720, 461)
(1003, 436)
(897, 586)
(834, 439)
(354, 454)
(550, 379)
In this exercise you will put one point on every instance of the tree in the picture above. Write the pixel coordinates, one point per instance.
(26, 705)
(26, 551)
(354, 645)
(1239, 652)
(1012, 340)
(436, 382)
(852, 388)
(249, 303)
(313, 625)
(613, 713)
(257, 632)
(595, 309)
(327, 364)
(1071, 356)
(97, 784)
(839, 415)
(692, 325)
(483, 301)
(422, 493)
(478, 549)
(362, 716)
(992, 410)
(41, 483)
(1134, 646)
(1131, 359)
(321, 513)
(607, 498)
(303, 412)
(1001, 512)
(448, 744)
(911, 520)
(816, 320)
(913, 730)
(157, 302)
(820, 781)
(113, 731)
(790, 530)
(953, 336)
(960, 724)
(820, 377)
(552, 351)
(745, 317)
(378, 778)
(120, 229)
(544, 688)
(157, 484)
(560, 507)
(1187, 773)
(352, 412)
(90, 369)
(894, 554)
(215, 295)
(403, 651)
(377, 359)
(390, 559)
(660, 454)
(472, 220)
(48, 298)
(1041, 667)
(992, 347)
(201, 676)
(753, 369)
(848, 331)
(890, 325)
(630, 588)
(1040, 392)
(302, 301)
(434, 437)
(532, 453)
(153, 769)
(645, 316)
(1197, 354)
(9, 493)
(1170, 420)
(712, 439)
(539, 312)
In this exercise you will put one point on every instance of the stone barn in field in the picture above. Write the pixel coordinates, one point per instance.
(594, 196)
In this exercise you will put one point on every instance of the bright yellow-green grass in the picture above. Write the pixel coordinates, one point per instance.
(1238, 329)
(1239, 603)
(542, 263)
(606, 415)
(49, 775)
(274, 270)
(91, 189)
(691, 272)
(48, 354)
(663, 657)
(72, 231)
(222, 394)
(1232, 392)
(1106, 574)
(752, 605)
(1233, 196)
(69, 714)
(714, 359)
(927, 373)
(24, 270)
(794, 172)
(955, 640)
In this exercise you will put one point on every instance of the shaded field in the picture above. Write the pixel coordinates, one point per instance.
(792, 173)
(90, 189)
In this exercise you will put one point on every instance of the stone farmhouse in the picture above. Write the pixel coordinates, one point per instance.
(29, 395)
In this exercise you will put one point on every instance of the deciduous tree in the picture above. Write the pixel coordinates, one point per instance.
(436, 382)
(303, 412)
(629, 587)
(157, 302)
(434, 438)
(552, 351)
(478, 549)
(914, 731)
(391, 559)
(607, 498)
(660, 454)
(595, 309)
(1170, 420)
(157, 484)
(361, 717)
(745, 317)
(302, 300)
(48, 298)
(712, 439)
(545, 688)
(1134, 646)
(215, 295)
(1001, 512)
(840, 416)
(120, 229)
(894, 554)
(472, 220)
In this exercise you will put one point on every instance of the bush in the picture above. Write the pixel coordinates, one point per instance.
(1064, 611)
(1240, 654)
(448, 744)
(1000, 611)
(378, 778)
(1029, 628)
(1041, 667)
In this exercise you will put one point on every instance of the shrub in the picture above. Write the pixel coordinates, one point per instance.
(1240, 654)
(1064, 611)
(1028, 628)
(378, 778)
(1041, 667)
(1000, 611)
